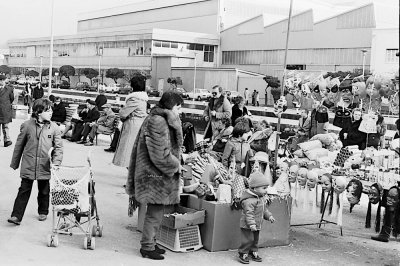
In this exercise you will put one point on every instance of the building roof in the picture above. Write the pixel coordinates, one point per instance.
(136, 7)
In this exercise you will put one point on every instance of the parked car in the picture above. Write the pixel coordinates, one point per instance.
(182, 92)
(125, 89)
(152, 92)
(199, 94)
(46, 83)
(84, 86)
(64, 85)
(232, 95)
(113, 88)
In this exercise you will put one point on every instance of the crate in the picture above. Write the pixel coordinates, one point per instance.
(190, 217)
(184, 239)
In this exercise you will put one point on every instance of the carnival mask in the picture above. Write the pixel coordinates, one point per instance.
(375, 193)
(302, 176)
(312, 178)
(280, 105)
(340, 184)
(293, 173)
(354, 191)
(326, 182)
(393, 197)
(284, 167)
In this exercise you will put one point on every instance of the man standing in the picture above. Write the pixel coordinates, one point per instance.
(246, 96)
(37, 91)
(218, 108)
(6, 100)
(100, 100)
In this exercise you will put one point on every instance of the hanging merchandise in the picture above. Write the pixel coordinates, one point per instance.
(339, 187)
(354, 190)
(375, 194)
(368, 123)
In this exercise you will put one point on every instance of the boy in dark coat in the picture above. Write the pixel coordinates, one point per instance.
(253, 213)
(59, 112)
(6, 100)
(37, 136)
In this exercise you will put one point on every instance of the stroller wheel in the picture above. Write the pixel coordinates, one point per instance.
(94, 230)
(97, 230)
(92, 243)
(85, 243)
(52, 240)
(100, 231)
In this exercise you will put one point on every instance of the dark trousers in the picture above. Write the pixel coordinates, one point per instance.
(24, 192)
(115, 139)
(152, 223)
(86, 130)
(248, 240)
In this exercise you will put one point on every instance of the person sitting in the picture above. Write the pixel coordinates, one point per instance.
(351, 135)
(259, 140)
(92, 115)
(59, 112)
(76, 123)
(237, 147)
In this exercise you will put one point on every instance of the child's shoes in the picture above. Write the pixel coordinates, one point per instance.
(244, 258)
(254, 256)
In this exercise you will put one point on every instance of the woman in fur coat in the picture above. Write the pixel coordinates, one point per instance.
(132, 115)
(154, 169)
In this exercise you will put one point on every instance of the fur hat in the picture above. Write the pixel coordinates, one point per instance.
(257, 179)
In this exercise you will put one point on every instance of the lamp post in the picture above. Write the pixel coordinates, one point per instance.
(194, 78)
(56, 76)
(98, 81)
(51, 48)
(41, 65)
(364, 52)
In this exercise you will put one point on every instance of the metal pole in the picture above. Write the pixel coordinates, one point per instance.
(41, 65)
(278, 128)
(363, 63)
(194, 80)
(98, 81)
(51, 49)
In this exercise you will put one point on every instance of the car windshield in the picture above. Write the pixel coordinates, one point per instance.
(203, 91)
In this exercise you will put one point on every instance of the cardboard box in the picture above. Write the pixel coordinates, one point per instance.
(187, 217)
(221, 229)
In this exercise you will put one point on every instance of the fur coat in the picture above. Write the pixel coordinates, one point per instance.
(154, 166)
(132, 115)
(223, 109)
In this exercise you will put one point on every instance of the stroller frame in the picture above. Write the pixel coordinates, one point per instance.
(64, 220)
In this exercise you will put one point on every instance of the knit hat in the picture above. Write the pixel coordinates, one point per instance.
(257, 179)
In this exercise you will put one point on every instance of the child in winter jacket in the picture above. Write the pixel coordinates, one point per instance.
(253, 213)
(37, 136)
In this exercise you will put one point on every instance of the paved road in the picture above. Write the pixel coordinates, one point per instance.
(26, 244)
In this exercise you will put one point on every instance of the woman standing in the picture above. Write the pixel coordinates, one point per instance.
(351, 135)
(132, 115)
(155, 168)
(238, 110)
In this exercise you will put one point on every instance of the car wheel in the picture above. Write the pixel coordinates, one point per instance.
(199, 98)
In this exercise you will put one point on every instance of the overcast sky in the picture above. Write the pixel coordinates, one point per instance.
(31, 18)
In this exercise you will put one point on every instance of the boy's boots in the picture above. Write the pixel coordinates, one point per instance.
(386, 228)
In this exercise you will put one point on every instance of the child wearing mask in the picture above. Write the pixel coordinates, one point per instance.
(253, 212)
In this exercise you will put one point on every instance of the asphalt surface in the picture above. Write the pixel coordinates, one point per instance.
(27, 245)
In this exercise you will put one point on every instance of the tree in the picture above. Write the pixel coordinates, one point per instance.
(45, 72)
(67, 71)
(32, 73)
(115, 74)
(5, 69)
(274, 83)
(90, 73)
(15, 71)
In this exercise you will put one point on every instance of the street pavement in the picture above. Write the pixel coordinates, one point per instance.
(26, 244)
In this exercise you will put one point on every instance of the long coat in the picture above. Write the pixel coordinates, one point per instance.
(224, 110)
(33, 144)
(6, 99)
(132, 115)
(154, 167)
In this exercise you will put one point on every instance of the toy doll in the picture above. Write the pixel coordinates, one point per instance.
(375, 196)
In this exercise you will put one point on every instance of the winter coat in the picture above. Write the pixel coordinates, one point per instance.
(224, 110)
(153, 175)
(254, 210)
(6, 100)
(132, 115)
(100, 100)
(37, 92)
(237, 149)
(33, 144)
(59, 113)
(106, 122)
(354, 136)
(236, 113)
(92, 115)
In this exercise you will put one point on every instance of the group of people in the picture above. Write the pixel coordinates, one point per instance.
(255, 97)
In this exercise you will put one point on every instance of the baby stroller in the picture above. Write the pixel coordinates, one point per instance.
(72, 197)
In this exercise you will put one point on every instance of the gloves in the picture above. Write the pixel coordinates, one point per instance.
(133, 204)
